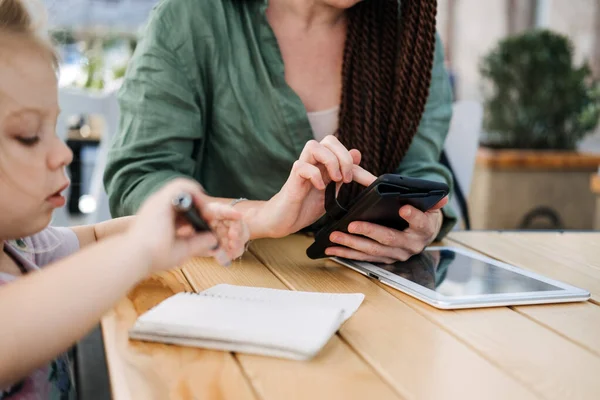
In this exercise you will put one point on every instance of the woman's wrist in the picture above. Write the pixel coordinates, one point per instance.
(256, 215)
(247, 222)
(257, 220)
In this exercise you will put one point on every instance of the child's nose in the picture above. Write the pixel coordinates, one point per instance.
(61, 155)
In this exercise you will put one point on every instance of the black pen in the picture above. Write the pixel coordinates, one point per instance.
(184, 205)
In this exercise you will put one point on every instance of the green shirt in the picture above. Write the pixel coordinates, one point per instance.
(205, 97)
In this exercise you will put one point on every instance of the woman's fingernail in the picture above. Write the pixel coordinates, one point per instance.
(407, 212)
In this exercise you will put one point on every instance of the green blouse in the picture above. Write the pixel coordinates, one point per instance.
(205, 97)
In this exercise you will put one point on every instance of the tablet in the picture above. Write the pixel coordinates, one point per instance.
(449, 278)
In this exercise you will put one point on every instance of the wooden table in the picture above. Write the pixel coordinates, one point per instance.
(394, 347)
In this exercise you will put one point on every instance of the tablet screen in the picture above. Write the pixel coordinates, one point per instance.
(454, 274)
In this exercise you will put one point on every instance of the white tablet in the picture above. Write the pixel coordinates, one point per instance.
(448, 278)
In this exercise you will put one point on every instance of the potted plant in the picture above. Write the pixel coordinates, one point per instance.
(538, 106)
(535, 97)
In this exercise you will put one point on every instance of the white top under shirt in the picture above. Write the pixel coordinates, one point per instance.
(324, 122)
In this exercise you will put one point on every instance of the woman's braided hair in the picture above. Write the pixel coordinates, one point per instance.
(388, 59)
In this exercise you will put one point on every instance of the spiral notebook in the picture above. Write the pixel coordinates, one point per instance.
(270, 322)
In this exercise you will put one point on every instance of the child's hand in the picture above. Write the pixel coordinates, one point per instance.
(168, 241)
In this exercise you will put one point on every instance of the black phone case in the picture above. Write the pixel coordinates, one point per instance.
(379, 204)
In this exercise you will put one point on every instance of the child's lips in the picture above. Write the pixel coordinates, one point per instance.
(57, 200)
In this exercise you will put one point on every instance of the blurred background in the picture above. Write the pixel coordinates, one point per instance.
(524, 143)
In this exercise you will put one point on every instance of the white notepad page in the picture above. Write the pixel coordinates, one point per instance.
(270, 322)
(347, 302)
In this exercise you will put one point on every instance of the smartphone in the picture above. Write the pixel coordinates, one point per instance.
(379, 204)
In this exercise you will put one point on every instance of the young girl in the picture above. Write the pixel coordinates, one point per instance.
(43, 311)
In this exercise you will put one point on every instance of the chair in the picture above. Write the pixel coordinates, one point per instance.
(460, 150)
(76, 102)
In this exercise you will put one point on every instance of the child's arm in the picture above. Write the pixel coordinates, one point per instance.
(88, 234)
(44, 313)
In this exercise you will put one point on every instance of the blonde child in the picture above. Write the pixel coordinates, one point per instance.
(43, 311)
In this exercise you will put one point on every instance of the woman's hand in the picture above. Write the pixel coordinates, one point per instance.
(168, 240)
(300, 202)
(376, 243)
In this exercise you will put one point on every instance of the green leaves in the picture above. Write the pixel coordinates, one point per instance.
(534, 97)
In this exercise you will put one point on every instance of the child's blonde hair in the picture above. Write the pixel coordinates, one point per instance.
(26, 19)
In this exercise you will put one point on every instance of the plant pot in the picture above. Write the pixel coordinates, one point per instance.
(532, 189)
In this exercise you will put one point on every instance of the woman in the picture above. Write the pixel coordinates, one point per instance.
(232, 92)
